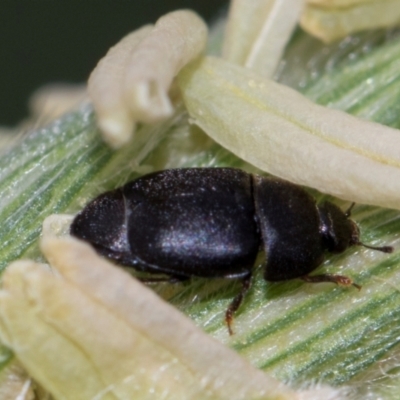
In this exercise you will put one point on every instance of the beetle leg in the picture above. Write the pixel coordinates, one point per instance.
(167, 279)
(237, 301)
(338, 279)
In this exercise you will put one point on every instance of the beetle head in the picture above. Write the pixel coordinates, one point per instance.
(338, 231)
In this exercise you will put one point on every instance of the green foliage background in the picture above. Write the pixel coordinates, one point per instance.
(298, 332)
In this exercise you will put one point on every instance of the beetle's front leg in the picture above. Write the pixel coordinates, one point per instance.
(338, 279)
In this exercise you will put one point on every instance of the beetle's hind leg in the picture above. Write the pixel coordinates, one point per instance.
(237, 301)
(338, 279)
(166, 279)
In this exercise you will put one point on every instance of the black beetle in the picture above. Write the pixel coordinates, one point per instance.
(212, 222)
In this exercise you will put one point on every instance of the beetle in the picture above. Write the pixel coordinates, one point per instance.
(212, 222)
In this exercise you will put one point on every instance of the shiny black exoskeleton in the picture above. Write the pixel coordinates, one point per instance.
(212, 222)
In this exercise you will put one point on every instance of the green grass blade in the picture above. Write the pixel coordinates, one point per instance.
(299, 332)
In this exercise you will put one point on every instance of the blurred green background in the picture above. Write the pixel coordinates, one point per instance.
(44, 41)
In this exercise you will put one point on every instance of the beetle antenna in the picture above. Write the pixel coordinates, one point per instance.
(383, 249)
(348, 211)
